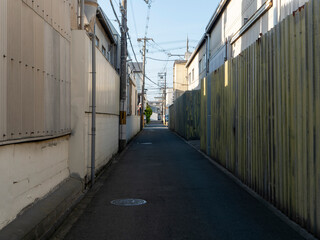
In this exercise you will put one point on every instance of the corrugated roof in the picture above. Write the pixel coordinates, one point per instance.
(136, 66)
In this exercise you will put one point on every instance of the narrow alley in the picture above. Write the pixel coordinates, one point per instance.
(187, 198)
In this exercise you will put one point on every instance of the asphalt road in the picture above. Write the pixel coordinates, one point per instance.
(187, 198)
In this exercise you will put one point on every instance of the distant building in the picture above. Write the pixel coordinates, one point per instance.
(137, 75)
(180, 83)
(169, 97)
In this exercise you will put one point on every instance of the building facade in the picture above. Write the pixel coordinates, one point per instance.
(180, 81)
(234, 26)
(45, 101)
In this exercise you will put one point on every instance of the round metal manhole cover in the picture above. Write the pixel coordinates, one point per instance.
(128, 202)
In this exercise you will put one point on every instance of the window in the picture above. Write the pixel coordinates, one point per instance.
(97, 41)
(104, 51)
(189, 78)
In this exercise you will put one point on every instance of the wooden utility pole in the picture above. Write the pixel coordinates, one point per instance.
(123, 77)
(145, 39)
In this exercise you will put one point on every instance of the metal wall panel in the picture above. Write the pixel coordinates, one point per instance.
(3, 69)
(35, 72)
(108, 84)
(48, 11)
(27, 70)
(265, 124)
(14, 101)
(62, 84)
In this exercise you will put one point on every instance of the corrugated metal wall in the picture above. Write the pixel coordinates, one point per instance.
(3, 70)
(185, 115)
(36, 90)
(265, 125)
(108, 84)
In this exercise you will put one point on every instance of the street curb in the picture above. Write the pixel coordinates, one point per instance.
(304, 233)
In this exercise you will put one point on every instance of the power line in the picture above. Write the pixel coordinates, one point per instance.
(160, 60)
(115, 14)
(148, 18)
(135, 56)
(134, 19)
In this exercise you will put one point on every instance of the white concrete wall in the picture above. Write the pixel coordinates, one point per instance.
(133, 126)
(107, 139)
(107, 118)
(180, 78)
(29, 171)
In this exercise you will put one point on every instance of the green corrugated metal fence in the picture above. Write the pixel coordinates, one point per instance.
(265, 124)
(185, 115)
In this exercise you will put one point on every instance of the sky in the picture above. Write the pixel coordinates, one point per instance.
(171, 22)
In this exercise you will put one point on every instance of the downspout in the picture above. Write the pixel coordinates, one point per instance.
(93, 115)
(208, 90)
(82, 14)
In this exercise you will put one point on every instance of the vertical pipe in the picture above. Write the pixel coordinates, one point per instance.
(123, 78)
(143, 81)
(93, 120)
(81, 14)
(165, 98)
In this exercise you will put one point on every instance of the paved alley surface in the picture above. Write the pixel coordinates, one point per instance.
(187, 198)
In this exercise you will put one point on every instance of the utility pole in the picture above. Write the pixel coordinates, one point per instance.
(123, 77)
(145, 39)
(165, 97)
(163, 84)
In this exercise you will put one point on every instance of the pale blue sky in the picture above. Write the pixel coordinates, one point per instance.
(171, 21)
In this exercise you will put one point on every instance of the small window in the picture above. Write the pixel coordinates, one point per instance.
(189, 78)
(104, 51)
(97, 41)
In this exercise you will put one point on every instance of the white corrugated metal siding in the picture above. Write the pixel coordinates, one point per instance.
(35, 74)
(108, 84)
(3, 68)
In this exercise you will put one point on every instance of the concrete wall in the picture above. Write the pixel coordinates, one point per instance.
(107, 107)
(180, 76)
(133, 126)
(29, 171)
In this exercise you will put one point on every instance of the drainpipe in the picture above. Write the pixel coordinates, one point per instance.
(208, 90)
(81, 14)
(93, 115)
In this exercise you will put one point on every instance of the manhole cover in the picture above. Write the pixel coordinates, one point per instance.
(128, 202)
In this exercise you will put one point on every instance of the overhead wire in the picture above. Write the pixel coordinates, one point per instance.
(160, 60)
